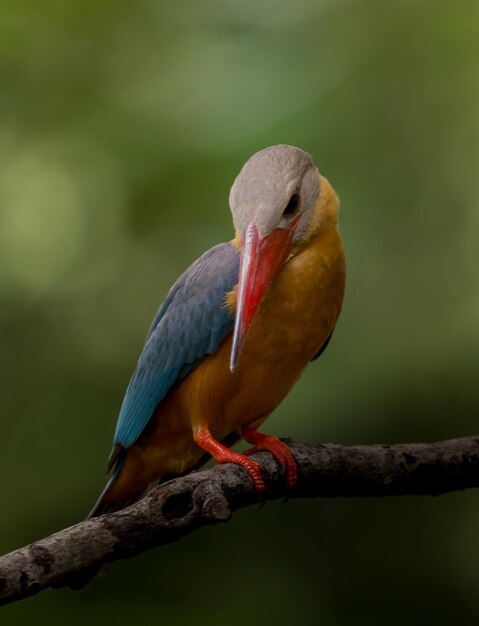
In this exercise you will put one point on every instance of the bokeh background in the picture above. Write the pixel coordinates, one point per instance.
(122, 126)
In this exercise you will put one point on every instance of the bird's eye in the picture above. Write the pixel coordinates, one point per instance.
(292, 205)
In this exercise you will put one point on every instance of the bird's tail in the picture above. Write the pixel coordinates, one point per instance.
(103, 505)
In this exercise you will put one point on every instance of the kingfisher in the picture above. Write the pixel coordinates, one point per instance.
(234, 333)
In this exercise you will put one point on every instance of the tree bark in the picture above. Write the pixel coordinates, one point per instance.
(176, 508)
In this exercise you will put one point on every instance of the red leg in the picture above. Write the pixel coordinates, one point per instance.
(278, 449)
(224, 455)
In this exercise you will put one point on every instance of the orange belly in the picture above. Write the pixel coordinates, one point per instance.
(294, 320)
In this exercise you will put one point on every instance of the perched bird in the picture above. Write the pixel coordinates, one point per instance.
(234, 332)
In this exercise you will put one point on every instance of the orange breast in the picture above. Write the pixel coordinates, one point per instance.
(294, 320)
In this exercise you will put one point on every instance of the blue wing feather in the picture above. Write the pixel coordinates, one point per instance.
(191, 323)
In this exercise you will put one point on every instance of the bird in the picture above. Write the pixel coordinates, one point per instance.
(234, 333)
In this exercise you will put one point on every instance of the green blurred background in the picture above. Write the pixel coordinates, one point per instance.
(122, 126)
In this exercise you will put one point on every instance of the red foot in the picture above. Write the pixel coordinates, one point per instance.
(278, 449)
(224, 455)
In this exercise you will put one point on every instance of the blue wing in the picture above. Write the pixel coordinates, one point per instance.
(191, 323)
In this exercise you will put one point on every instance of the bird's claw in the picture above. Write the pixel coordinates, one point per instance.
(252, 467)
(278, 449)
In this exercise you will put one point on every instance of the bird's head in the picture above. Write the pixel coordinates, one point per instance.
(279, 203)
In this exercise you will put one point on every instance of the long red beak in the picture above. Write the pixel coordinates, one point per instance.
(261, 260)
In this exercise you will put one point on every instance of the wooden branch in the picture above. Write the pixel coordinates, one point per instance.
(176, 508)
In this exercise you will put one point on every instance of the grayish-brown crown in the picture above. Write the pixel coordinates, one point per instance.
(265, 185)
